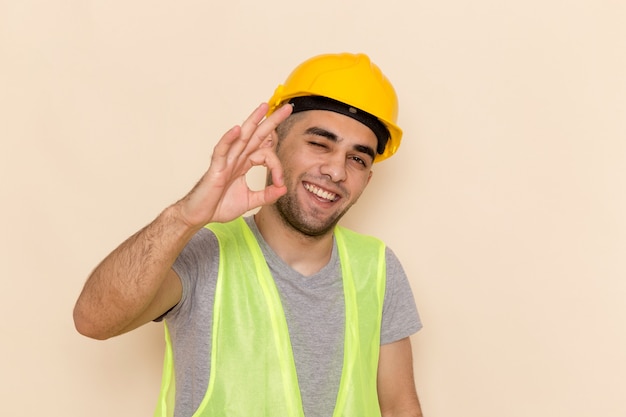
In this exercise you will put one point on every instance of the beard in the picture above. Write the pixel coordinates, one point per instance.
(307, 223)
(293, 216)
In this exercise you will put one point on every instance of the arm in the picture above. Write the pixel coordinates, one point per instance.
(396, 387)
(135, 283)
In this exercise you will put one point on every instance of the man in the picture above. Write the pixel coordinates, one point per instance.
(282, 313)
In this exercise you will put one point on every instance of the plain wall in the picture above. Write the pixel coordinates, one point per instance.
(506, 201)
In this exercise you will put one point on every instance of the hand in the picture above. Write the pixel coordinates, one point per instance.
(223, 194)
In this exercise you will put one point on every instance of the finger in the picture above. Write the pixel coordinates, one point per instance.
(231, 146)
(267, 195)
(235, 146)
(267, 157)
(272, 192)
(224, 145)
(267, 126)
(252, 122)
(255, 117)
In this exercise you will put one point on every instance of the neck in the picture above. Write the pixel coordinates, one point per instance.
(305, 254)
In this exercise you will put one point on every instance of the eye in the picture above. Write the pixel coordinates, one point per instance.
(317, 144)
(359, 160)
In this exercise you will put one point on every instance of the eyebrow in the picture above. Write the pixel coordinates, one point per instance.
(318, 131)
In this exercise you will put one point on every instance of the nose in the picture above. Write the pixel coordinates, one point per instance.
(335, 168)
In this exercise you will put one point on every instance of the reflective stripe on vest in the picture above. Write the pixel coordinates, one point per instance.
(253, 371)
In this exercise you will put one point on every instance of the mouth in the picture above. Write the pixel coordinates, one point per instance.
(321, 193)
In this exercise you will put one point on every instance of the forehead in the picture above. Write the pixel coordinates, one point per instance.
(344, 127)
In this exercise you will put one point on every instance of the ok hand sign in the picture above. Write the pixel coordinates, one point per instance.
(223, 194)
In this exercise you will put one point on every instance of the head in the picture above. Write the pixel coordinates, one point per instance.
(343, 120)
(327, 161)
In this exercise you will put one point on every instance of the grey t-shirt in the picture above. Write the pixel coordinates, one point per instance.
(314, 309)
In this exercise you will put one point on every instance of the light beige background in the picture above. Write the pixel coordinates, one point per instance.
(505, 203)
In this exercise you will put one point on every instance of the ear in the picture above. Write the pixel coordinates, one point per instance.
(270, 140)
(369, 177)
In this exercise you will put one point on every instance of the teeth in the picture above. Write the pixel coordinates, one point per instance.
(320, 193)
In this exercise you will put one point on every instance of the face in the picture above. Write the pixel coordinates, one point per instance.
(327, 160)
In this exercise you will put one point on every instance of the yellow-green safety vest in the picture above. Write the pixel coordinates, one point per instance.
(253, 371)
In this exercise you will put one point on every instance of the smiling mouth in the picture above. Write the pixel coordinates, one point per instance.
(325, 195)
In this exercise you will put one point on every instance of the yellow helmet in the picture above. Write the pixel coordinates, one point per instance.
(355, 81)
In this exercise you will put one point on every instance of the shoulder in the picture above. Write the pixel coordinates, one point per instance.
(393, 263)
(350, 232)
(351, 236)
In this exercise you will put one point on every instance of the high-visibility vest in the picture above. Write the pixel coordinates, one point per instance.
(253, 372)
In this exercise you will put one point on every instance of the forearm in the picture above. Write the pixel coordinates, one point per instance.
(413, 411)
(409, 407)
(123, 286)
(397, 395)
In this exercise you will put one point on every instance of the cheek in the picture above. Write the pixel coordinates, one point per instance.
(358, 186)
(365, 180)
(361, 177)
(286, 153)
(296, 160)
